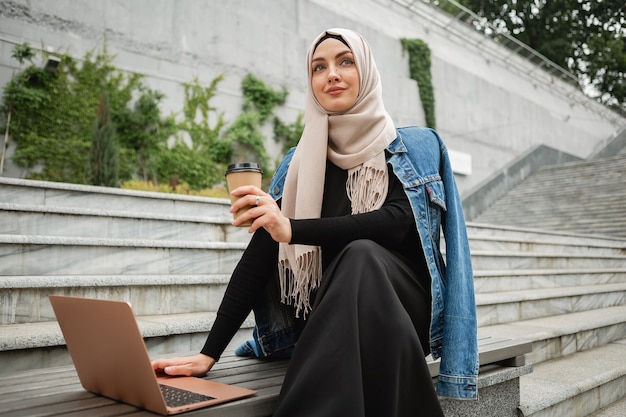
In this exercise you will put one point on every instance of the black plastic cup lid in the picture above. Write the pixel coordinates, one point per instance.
(243, 167)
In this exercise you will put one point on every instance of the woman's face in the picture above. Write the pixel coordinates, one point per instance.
(335, 77)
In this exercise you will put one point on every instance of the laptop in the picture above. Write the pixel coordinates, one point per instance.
(111, 359)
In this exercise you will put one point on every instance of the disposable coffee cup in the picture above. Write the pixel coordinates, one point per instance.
(238, 175)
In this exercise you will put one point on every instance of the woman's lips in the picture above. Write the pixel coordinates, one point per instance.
(335, 90)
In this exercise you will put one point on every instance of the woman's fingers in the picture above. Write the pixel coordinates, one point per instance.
(263, 211)
(196, 365)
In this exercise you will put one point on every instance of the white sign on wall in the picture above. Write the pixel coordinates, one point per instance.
(461, 162)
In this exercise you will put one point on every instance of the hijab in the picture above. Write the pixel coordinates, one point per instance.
(354, 140)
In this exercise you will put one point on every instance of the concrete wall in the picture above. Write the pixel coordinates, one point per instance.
(488, 108)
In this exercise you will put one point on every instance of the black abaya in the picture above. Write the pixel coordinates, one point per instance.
(361, 351)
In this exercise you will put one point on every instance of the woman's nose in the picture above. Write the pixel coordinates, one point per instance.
(333, 74)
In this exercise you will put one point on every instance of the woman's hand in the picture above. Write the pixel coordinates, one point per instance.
(196, 365)
(263, 211)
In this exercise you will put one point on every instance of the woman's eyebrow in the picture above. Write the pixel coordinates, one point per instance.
(340, 54)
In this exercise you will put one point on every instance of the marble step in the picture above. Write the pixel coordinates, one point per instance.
(510, 244)
(41, 345)
(576, 385)
(616, 409)
(32, 220)
(477, 230)
(515, 306)
(509, 260)
(593, 222)
(540, 185)
(37, 345)
(569, 193)
(561, 335)
(589, 167)
(609, 224)
(52, 194)
(24, 299)
(22, 219)
(584, 211)
(518, 280)
(565, 195)
(574, 182)
(578, 210)
(49, 255)
(606, 210)
(610, 227)
(52, 255)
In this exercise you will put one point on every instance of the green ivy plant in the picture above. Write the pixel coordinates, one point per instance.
(260, 100)
(21, 53)
(104, 154)
(260, 97)
(144, 134)
(288, 134)
(199, 154)
(53, 114)
(419, 67)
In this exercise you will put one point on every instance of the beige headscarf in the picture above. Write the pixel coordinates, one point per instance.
(353, 140)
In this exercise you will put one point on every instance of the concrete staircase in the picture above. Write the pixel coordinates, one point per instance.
(580, 197)
(576, 314)
(171, 256)
(567, 294)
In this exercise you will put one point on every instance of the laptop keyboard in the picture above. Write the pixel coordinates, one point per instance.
(176, 397)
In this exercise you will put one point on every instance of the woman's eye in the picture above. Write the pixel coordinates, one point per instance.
(318, 67)
(347, 61)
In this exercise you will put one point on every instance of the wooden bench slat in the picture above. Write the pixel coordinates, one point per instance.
(110, 410)
(43, 392)
(492, 350)
(258, 366)
(504, 350)
(250, 376)
(45, 374)
(44, 406)
(27, 394)
(38, 384)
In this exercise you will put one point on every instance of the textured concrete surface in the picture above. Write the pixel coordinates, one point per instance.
(575, 385)
(617, 409)
(490, 103)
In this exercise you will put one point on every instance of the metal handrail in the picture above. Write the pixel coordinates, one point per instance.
(468, 18)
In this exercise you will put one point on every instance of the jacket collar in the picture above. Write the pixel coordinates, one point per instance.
(397, 146)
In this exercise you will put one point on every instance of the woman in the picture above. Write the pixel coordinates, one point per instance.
(346, 254)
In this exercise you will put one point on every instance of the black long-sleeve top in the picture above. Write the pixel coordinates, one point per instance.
(392, 226)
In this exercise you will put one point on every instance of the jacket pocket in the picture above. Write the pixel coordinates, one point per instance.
(436, 194)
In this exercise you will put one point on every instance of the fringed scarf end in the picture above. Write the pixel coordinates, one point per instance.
(296, 287)
(366, 189)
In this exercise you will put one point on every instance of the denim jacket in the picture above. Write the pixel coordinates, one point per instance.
(420, 161)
